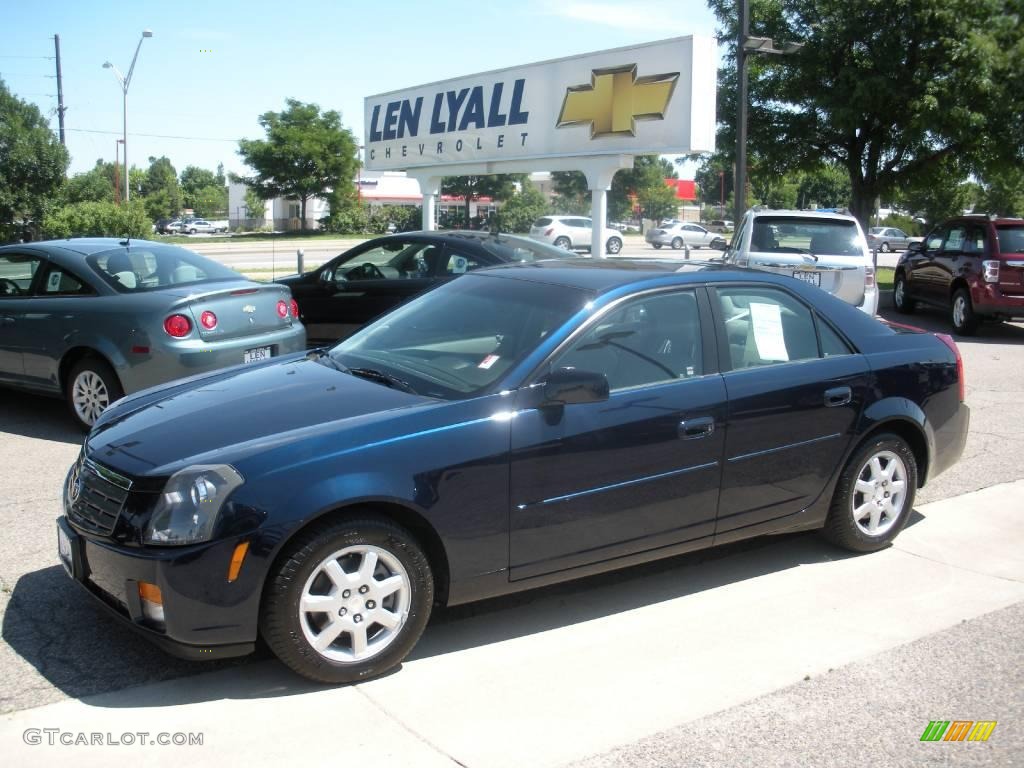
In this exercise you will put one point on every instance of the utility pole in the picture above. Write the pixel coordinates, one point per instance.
(60, 91)
(117, 171)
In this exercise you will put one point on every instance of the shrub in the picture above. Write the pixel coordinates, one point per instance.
(93, 219)
(521, 210)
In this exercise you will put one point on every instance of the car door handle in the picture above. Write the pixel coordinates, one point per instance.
(838, 396)
(694, 429)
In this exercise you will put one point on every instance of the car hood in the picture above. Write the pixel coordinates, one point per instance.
(235, 413)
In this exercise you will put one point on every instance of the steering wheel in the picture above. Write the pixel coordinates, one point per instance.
(9, 287)
(372, 272)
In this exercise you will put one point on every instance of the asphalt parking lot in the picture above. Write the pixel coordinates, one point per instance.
(574, 671)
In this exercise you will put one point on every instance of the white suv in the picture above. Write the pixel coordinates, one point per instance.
(572, 233)
(827, 250)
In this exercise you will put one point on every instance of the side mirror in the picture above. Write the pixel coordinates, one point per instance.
(915, 247)
(571, 386)
(719, 244)
(327, 276)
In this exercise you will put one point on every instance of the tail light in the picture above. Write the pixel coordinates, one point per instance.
(178, 326)
(295, 309)
(869, 276)
(548, 231)
(208, 320)
(991, 274)
(946, 339)
(282, 309)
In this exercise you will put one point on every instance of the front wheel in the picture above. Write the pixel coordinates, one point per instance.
(348, 601)
(874, 495)
(657, 246)
(191, 231)
(562, 242)
(904, 304)
(614, 245)
(677, 243)
(91, 387)
(965, 322)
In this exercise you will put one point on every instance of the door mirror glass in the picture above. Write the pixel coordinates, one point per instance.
(571, 386)
(915, 247)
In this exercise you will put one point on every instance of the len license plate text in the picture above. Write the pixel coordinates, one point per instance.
(814, 278)
(255, 355)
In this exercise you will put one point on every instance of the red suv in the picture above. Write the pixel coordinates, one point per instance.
(971, 266)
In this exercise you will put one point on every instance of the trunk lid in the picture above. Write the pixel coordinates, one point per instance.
(242, 309)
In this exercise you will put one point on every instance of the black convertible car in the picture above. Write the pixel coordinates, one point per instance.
(516, 427)
(347, 292)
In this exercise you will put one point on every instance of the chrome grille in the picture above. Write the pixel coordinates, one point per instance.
(96, 496)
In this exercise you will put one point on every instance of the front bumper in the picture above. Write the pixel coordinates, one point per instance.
(205, 616)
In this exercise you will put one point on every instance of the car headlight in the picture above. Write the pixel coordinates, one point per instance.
(190, 503)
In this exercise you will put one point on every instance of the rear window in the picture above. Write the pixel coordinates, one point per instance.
(831, 237)
(542, 222)
(138, 268)
(518, 249)
(1011, 239)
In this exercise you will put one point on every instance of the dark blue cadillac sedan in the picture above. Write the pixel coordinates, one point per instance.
(515, 427)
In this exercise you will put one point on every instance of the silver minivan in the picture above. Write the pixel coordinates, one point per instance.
(827, 250)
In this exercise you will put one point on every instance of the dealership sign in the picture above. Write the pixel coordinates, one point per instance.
(645, 99)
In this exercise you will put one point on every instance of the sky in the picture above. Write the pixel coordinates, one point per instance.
(212, 68)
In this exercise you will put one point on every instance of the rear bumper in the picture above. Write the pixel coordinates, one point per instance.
(990, 301)
(950, 439)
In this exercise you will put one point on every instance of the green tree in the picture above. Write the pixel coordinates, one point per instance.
(645, 182)
(886, 89)
(522, 209)
(938, 192)
(160, 189)
(95, 185)
(32, 165)
(827, 186)
(306, 153)
(499, 186)
(255, 205)
(572, 196)
(97, 219)
(1002, 192)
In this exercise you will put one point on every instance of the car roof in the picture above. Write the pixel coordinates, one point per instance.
(803, 214)
(981, 217)
(82, 245)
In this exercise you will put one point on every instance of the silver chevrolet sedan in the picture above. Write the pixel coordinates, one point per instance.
(91, 320)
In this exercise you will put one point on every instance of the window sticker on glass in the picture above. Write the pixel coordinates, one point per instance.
(53, 282)
(488, 361)
(768, 336)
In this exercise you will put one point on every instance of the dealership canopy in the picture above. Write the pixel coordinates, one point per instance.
(591, 113)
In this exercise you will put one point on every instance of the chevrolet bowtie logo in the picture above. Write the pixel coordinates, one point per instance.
(615, 99)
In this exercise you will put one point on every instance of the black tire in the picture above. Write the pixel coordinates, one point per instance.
(884, 248)
(657, 246)
(563, 242)
(280, 621)
(80, 376)
(613, 246)
(841, 527)
(961, 313)
(191, 231)
(900, 297)
(677, 243)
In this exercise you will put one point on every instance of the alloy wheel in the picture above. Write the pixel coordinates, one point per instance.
(355, 603)
(959, 310)
(90, 396)
(879, 494)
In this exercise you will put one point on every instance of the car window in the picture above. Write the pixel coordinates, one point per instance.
(391, 260)
(1011, 238)
(897, 233)
(16, 273)
(542, 222)
(136, 268)
(935, 238)
(519, 249)
(974, 243)
(60, 282)
(765, 326)
(790, 234)
(581, 223)
(646, 341)
(832, 343)
(955, 239)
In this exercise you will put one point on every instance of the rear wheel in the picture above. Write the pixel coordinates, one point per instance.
(874, 496)
(677, 243)
(562, 242)
(961, 313)
(614, 245)
(91, 387)
(884, 248)
(657, 246)
(900, 298)
(349, 600)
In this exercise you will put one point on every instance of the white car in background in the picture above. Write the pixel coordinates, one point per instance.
(827, 250)
(202, 225)
(679, 234)
(573, 233)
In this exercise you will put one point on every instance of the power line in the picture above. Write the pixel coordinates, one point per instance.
(26, 74)
(155, 135)
(27, 57)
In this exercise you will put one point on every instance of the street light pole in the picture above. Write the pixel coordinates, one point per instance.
(125, 82)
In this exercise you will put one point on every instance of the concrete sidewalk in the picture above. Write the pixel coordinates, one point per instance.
(547, 678)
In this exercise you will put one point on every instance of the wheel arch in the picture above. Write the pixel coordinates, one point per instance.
(959, 282)
(76, 354)
(911, 432)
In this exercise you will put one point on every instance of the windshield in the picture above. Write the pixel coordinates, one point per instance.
(1011, 239)
(833, 237)
(510, 248)
(459, 339)
(149, 267)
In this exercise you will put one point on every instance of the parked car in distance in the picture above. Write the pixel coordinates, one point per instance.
(824, 249)
(721, 226)
(624, 227)
(886, 239)
(447, 453)
(971, 266)
(202, 225)
(171, 227)
(573, 233)
(93, 319)
(679, 234)
(344, 294)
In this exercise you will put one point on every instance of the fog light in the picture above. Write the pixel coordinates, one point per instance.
(152, 602)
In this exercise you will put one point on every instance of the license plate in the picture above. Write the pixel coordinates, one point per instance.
(255, 355)
(65, 551)
(814, 278)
